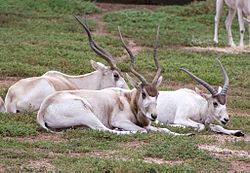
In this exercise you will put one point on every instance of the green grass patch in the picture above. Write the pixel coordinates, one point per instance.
(94, 151)
(17, 125)
(238, 145)
(190, 25)
(94, 164)
(203, 65)
(47, 7)
(240, 122)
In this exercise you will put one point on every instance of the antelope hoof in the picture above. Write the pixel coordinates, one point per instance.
(241, 46)
(239, 134)
(232, 45)
(190, 134)
(143, 131)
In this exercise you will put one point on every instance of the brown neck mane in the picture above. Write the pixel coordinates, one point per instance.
(141, 119)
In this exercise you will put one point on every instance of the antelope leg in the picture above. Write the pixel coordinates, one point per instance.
(165, 130)
(220, 129)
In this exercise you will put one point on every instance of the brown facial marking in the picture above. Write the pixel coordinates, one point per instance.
(133, 102)
(141, 120)
(151, 90)
(221, 99)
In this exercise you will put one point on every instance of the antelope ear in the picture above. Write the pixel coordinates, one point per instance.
(219, 89)
(132, 81)
(98, 65)
(159, 81)
(197, 90)
(201, 93)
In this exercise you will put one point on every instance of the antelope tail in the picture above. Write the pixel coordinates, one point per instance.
(41, 122)
(2, 105)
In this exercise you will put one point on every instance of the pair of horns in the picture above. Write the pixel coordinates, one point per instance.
(214, 93)
(97, 49)
(132, 60)
(107, 56)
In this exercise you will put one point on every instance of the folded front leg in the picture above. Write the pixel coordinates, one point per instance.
(165, 130)
(220, 129)
(190, 123)
(128, 126)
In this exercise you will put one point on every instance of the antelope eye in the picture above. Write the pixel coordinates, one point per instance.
(143, 95)
(116, 76)
(215, 104)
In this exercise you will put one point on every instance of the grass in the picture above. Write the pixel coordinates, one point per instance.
(175, 22)
(81, 149)
(47, 8)
(77, 149)
(238, 145)
(37, 36)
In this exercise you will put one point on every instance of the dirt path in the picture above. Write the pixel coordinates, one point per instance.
(226, 50)
(101, 29)
(8, 81)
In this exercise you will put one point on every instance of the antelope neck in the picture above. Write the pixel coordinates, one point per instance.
(141, 119)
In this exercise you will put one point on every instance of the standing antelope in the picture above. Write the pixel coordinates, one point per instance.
(107, 109)
(196, 109)
(28, 94)
(233, 5)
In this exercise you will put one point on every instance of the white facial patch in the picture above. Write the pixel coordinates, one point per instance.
(120, 84)
(149, 100)
(220, 113)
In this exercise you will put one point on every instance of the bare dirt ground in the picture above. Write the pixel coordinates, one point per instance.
(8, 81)
(115, 7)
(227, 50)
(39, 164)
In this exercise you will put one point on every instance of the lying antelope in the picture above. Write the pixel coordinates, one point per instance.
(233, 5)
(2, 106)
(196, 109)
(28, 94)
(108, 109)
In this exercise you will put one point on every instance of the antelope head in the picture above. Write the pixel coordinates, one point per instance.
(146, 93)
(111, 76)
(217, 98)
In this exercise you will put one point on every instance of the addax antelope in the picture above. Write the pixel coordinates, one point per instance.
(107, 109)
(28, 94)
(242, 7)
(185, 107)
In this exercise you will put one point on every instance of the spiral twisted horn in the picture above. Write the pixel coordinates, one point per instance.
(97, 49)
(157, 64)
(202, 82)
(132, 60)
